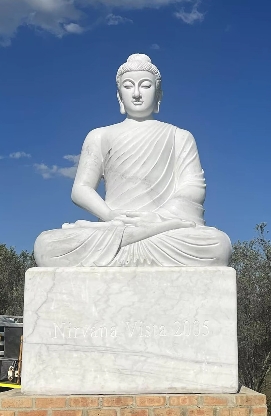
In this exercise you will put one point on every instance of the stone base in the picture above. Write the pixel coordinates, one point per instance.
(245, 403)
(130, 331)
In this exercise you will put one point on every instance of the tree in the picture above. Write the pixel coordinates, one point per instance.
(252, 262)
(12, 273)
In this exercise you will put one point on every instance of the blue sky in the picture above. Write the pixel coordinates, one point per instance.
(58, 60)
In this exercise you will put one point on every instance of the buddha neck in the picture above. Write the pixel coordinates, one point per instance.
(135, 120)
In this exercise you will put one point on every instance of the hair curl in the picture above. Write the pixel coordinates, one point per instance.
(140, 62)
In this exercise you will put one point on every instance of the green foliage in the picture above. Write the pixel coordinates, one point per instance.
(12, 271)
(252, 262)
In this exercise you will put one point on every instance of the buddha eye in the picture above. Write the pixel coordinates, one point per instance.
(145, 85)
(128, 86)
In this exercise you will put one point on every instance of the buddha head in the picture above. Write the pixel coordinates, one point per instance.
(139, 87)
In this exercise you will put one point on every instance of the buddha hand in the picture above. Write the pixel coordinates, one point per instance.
(139, 218)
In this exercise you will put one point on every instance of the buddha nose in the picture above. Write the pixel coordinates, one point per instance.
(136, 93)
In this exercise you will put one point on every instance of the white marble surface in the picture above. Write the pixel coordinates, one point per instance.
(136, 330)
(152, 214)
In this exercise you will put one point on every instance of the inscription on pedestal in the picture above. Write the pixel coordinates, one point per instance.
(137, 330)
(133, 329)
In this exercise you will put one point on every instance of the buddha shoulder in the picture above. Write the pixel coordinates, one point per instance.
(183, 136)
(95, 135)
(101, 133)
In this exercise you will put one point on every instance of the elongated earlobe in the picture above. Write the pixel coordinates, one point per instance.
(158, 102)
(122, 108)
(157, 107)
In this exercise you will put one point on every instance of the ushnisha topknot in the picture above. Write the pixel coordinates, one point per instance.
(139, 62)
(140, 57)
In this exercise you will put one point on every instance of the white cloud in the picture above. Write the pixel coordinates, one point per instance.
(72, 158)
(1, 157)
(114, 20)
(192, 16)
(48, 172)
(134, 4)
(45, 171)
(62, 17)
(49, 15)
(155, 47)
(19, 155)
(74, 28)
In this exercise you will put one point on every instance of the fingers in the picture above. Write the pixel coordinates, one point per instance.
(187, 224)
(135, 213)
(127, 220)
(117, 223)
(121, 212)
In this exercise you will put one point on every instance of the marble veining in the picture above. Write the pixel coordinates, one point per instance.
(136, 330)
(153, 212)
(111, 309)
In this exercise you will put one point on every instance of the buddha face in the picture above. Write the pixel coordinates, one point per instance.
(138, 94)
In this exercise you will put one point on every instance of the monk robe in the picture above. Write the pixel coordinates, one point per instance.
(146, 168)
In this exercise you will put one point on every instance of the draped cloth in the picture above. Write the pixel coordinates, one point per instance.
(145, 169)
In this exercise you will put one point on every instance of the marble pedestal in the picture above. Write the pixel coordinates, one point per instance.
(130, 331)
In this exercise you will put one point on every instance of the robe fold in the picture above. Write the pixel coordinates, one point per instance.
(145, 169)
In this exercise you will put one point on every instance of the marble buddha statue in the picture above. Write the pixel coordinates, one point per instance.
(152, 214)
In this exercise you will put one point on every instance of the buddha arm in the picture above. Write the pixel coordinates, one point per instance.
(88, 176)
(189, 173)
(187, 200)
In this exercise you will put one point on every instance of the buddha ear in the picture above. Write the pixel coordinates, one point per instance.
(157, 107)
(122, 108)
(158, 102)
